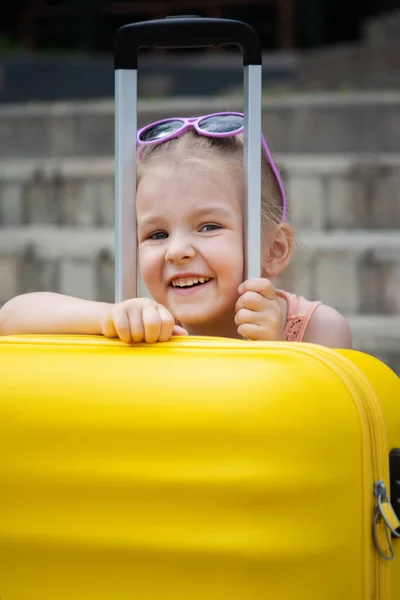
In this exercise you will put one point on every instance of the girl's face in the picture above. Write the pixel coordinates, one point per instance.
(190, 235)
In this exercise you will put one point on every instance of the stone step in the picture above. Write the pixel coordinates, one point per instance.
(379, 336)
(333, 122)
(356, 272)
(358, 191)
(376, 332)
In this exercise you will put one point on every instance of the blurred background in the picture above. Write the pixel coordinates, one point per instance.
(331, 113)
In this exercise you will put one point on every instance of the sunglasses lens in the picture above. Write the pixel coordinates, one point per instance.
(160, 131)
(221, 123)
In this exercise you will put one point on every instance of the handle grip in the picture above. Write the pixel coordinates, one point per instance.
(184, 32)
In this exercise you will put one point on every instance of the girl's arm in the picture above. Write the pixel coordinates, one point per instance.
(45, 312)
(134, 320)
(328, 328)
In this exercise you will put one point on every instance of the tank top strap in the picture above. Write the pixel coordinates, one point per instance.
(299, 314)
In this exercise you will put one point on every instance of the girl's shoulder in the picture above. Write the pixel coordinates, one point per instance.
(299, 313)
(314, 322)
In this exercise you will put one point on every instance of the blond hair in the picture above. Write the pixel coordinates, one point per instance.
(193, 150)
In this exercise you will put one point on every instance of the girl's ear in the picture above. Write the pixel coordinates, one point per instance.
(277, 250)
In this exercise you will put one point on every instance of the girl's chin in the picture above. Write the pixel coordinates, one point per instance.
(194, 320)
(206, 323)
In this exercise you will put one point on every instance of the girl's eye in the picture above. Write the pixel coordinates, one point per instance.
(210, 227)
(158, 235)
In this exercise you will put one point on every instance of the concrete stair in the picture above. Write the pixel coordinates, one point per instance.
(57, 219)
(302, 123)
(330, 266)
(366, 264)
(353, 191)
(340, 161)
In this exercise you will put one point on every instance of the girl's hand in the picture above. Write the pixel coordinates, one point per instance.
(258, 312)
(138, 320)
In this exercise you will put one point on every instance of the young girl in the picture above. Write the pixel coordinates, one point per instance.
(189, 205)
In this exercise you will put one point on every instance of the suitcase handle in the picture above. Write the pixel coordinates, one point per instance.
(184, 32)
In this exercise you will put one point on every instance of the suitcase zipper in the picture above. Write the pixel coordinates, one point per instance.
(367, 403)
(385, 520)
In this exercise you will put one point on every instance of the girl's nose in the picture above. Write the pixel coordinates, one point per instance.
(179, 250)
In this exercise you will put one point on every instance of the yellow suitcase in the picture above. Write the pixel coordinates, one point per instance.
(198, 468)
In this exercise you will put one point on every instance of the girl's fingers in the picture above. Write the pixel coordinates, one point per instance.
(152, 323)
(252, 301)
(108, 328)
(136, 324)
(167, 324)
(260, 286)
(178, 330)
(247, 316)
(250, 331)
(122, 325)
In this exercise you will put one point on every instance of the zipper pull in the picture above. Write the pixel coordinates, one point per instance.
(384, 515)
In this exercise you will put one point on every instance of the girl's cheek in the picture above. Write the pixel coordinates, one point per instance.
(148, 267)
(143, 264)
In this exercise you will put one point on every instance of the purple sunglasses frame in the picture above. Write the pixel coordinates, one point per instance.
(187, 123)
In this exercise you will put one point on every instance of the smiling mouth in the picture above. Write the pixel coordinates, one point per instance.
(189, 282)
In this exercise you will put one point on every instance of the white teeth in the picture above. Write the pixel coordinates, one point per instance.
(187, 282)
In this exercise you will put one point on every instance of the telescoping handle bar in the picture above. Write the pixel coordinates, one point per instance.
(180, 32)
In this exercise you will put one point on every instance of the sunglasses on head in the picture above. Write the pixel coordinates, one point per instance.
(217, 125)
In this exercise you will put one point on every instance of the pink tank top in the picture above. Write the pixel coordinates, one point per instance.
(299, 315)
